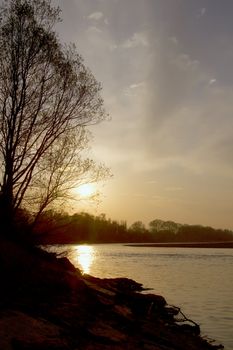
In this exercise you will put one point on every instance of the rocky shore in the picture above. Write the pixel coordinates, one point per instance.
(46, 304)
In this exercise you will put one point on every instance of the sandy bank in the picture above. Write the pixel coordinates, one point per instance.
(185, 245)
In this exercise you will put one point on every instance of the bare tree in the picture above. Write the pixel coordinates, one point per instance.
(62, 169)
(47, 98)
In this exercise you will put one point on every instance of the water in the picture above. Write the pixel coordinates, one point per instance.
(198, 280)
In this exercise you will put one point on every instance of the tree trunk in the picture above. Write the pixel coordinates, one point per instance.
(7, 207)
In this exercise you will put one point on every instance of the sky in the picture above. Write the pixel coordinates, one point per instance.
(166, 67)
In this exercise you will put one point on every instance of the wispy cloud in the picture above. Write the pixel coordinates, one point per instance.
(93, 30)
(137, 85)
(138, 39)
(96, 16)
(212, 81)
(184, 62)
(201, 12)
(135, 89)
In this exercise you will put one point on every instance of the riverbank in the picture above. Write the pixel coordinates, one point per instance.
(185, 245)
(47, 304)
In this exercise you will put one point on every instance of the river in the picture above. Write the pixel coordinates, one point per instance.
(199, 280)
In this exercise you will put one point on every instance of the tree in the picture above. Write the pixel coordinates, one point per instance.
(138, 227)
(60, 171)
(47, 98)
(160, 225)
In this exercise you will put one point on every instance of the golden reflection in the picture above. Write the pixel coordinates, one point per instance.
(85, 257)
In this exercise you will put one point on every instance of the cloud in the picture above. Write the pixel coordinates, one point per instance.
(173, 127)
(138, 85)
(135, 90)
(96, 16)
(184, 62)
(138, 39)
(212, 81)
(198, 139)
(93, 30)
(165, 112)
(185, 123)
(201, 12)
(173, 40)
(173, 78)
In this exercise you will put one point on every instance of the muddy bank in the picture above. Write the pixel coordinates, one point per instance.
(46, 304)
(185, 245)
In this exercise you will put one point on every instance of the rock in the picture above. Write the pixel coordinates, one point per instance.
(106, 333)
(19, 331)
(123, 311)
(143, 304)
(116, 284)
(66, 264)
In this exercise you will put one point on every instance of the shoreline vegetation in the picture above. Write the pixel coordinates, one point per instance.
(47, 304)
(62, 228)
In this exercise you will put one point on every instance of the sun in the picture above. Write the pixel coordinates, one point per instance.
(86, 190)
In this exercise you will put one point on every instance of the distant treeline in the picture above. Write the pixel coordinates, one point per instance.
(57, 228)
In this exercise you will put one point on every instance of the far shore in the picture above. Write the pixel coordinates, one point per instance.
(185, 245)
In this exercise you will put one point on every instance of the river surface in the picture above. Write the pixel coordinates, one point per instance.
(199, 280)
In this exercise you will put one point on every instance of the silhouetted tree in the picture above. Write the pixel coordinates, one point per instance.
(55, 228)
(160, 225)
(47, 98)
(138, 226)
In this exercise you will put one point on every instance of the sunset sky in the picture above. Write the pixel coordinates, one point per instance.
(166, 67)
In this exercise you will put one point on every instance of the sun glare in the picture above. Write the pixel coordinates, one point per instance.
(86, 190)
(85, 257)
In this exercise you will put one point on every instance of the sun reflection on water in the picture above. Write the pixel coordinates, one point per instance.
(85, 257)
